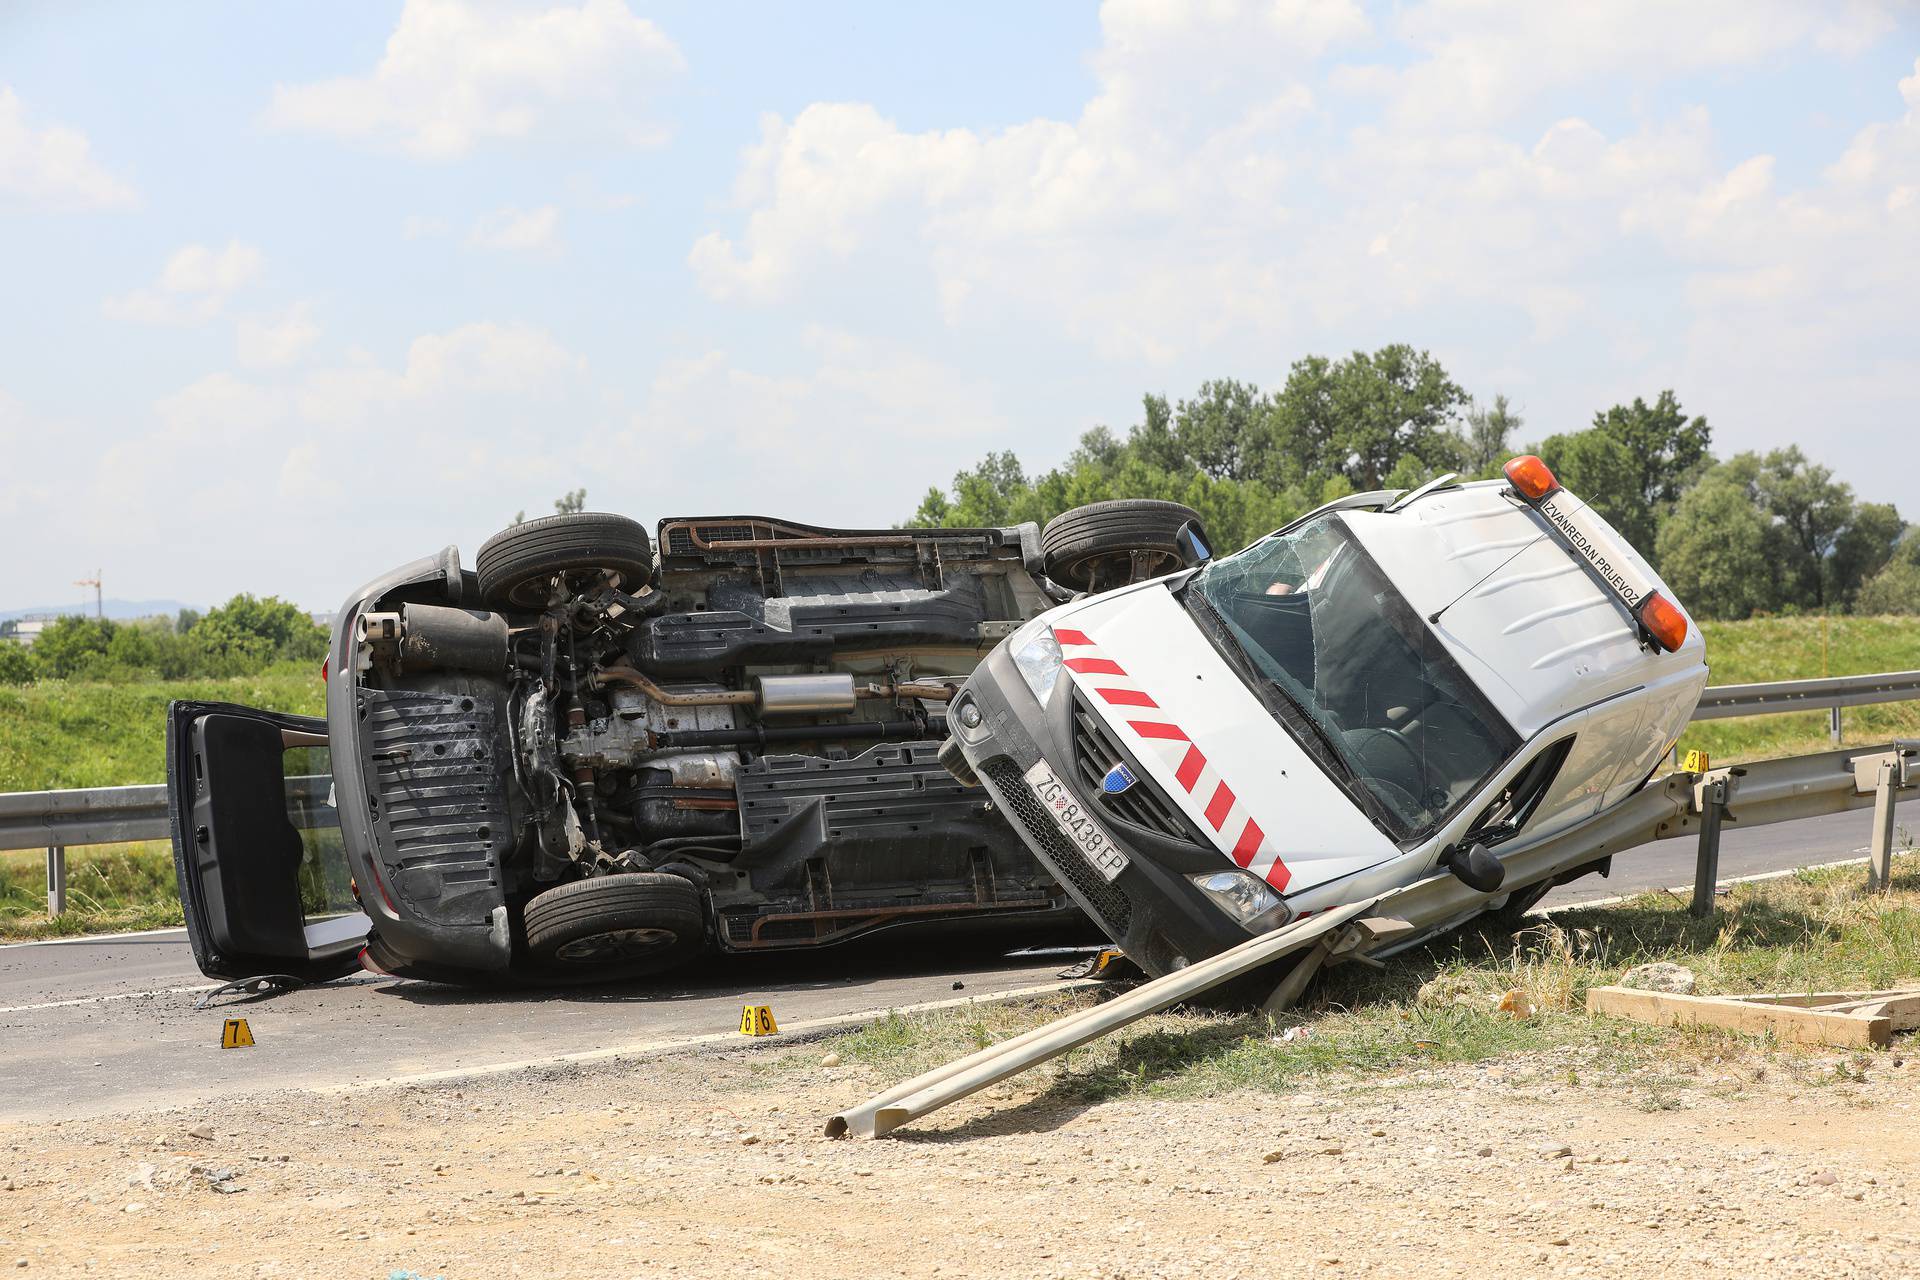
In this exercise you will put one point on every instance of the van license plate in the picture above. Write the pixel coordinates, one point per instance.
(1081, 831)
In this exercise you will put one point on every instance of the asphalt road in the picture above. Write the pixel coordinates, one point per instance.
(101, 1024)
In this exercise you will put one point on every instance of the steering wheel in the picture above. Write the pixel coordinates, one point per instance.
(1389, 761)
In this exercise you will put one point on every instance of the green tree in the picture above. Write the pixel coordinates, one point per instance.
(1360, 415)
(1896, 587)
(1716, 550)
(1864, 548)
(1225, 430)
(71, 645)
(17, 664)
(248, 632)
(570, 503)
(1672, 450)
(1488, 439)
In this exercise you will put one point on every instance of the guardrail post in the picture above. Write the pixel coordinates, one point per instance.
(1880, 852)
(1706, 871)
(56, 880)
(1833, 723)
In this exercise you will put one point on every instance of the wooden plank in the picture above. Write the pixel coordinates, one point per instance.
(1901, 1011)
(1820, 999)
(1784, 1022)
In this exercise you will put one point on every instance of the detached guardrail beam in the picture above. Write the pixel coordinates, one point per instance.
(1678, 805)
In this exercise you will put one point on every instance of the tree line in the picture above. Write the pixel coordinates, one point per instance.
(244, 636)
(1750, 534)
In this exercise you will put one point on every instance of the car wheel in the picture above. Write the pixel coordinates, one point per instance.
(623, 925)
(517, 566)
(1109, 544)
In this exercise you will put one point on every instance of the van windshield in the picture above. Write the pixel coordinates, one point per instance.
(1318, 620)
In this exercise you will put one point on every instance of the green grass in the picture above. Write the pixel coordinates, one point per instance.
(1763, 649)
(110, 888)
(1437, 1004)
(58, 734)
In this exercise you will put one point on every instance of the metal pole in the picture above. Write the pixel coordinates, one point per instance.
(56, 880)
(1833, 723)
(911, 1099)
(1706, 871)
(1880, 854)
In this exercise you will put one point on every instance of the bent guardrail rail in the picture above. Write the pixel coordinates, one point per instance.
(1766, 792)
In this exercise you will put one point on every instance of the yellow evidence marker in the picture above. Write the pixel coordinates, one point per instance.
(1694, 761)
(757, 1020)
(236, 1035)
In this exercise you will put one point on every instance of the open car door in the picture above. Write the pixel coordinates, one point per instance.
(263, 874)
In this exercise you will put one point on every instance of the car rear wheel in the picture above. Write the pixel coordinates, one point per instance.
(623, 925)
(517, 566)
(1109, 544)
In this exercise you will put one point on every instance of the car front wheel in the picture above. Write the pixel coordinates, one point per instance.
(624, 926)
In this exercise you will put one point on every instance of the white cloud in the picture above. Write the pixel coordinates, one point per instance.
(1233, 195)
(855, 402)
(270, 342)
(193, 287)
(517, 230)
(1479, 61)
(456, 73)
(52, 166)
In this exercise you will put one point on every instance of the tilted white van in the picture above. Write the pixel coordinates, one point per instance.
(1392, 684)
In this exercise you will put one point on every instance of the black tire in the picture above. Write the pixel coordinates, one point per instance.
(516, 564)
(622, 926)
(1091, 548)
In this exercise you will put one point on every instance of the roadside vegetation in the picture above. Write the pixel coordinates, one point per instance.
(111, 888)
(1746, 536)
(80, 732)
(1811, 931)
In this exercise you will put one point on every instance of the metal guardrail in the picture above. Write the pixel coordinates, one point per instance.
(1830, 693)
(1678, 805)
(59, 820)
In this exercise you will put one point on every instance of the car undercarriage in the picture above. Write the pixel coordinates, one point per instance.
(588, 758)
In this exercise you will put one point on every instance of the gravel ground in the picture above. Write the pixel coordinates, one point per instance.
(713, 1163)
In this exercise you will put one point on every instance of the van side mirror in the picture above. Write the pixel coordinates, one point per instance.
(1192, 544)
(1475, 866)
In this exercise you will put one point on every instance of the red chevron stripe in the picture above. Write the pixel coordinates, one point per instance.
(1278, 875)
(1095, 666)
(1158, 729)
(1249, 843)
(1127, 698)
(1065, 636)
(1220, 805)
(1190, 768)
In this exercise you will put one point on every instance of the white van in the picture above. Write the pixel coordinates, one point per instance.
(1392, 684)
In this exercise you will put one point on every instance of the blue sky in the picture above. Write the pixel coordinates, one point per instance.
(293, 292)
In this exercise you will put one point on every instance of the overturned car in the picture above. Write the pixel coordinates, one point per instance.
(1392, 687)
(599, 754)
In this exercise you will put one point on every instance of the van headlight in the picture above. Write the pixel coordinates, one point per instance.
(1037, 654)
(1244, 897)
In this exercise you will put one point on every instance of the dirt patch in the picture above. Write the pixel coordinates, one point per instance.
(706, 1164)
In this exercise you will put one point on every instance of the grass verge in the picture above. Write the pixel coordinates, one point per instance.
(1765, 649)
(1438, 1004)
(72, 733)
(111, 888)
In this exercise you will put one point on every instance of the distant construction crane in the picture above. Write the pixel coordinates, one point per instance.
(99, 606)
